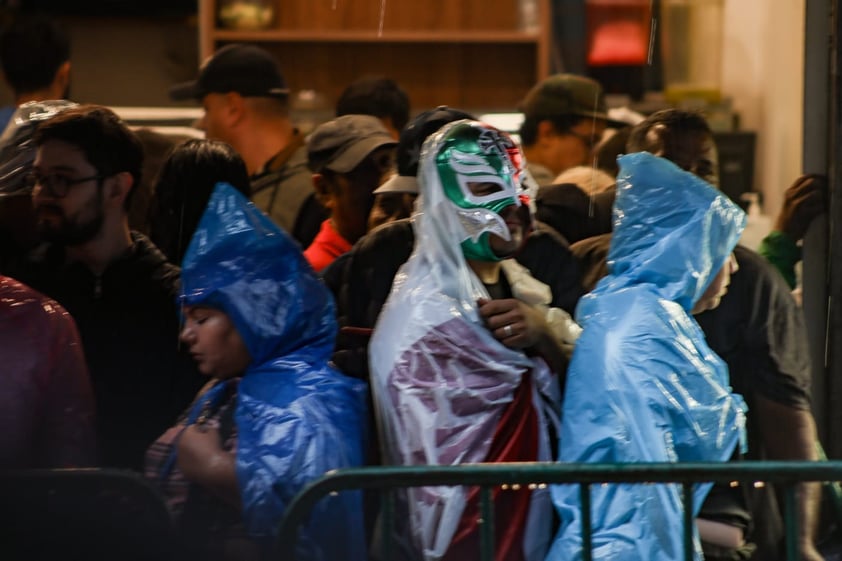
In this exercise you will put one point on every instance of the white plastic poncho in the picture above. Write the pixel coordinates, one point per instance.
(643, 386)
(441, 381)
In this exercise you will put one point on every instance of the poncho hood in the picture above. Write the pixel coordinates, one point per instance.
(672, 230)
(239, 261)
(297, 417)
(643, 386)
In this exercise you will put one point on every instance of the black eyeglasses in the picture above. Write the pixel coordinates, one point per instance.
(56, 185)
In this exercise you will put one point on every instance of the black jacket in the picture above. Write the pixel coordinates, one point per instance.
(128, 320)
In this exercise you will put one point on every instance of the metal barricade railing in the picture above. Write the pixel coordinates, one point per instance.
(514, 475)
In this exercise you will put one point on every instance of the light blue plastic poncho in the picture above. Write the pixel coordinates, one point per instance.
(643, 386)
(297, 418)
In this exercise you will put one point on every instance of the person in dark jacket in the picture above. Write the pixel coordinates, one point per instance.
(115, 283)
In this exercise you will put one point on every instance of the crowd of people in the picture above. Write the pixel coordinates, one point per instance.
(391, 290)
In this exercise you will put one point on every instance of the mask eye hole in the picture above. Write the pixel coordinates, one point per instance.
(484, 188)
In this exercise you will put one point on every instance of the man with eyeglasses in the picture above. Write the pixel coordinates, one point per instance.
(564, 118)
(114, 282)
(350, 157)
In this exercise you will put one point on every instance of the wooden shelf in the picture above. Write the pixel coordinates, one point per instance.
(469, 54)
(366, 36)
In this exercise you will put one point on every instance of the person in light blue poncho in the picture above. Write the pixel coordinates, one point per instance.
(643, 386)
(275, 416)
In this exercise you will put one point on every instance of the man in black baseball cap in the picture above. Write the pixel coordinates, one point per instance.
(246, 102)
(564, 118)
(246, 69)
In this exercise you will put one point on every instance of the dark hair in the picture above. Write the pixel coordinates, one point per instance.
(608, 150)
(376, 96)
(32, 49)
(105, 140)
(561, 123)
(184, 186)
(674, 122)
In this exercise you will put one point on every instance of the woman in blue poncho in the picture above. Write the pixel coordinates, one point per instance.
(643, 386)
(274, 416)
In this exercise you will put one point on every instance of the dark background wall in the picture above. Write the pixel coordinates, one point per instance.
(123, 52)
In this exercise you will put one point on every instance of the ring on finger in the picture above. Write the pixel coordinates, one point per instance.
(507, 331)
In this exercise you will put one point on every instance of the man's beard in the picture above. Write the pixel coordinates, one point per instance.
(67, 233)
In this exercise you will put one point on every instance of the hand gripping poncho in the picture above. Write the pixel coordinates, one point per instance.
(443, 385)
(643, 386)
(296, 417)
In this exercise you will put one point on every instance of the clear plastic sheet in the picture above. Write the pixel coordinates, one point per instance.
(643, 386)
(297, 417)
(441, 381)
(17, 151)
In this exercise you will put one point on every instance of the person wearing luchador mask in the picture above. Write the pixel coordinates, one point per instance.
(465, 355)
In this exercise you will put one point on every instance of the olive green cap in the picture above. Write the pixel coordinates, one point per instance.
(565, 94)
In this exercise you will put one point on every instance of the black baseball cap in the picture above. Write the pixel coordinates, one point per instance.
(409, 148)
(245, 69)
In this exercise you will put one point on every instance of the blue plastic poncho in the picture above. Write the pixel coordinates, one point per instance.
(643, 386)
(297, 418)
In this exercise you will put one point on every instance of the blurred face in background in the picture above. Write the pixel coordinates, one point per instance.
(562, 150)
(389, 207)
(349, 197)
(693, 151)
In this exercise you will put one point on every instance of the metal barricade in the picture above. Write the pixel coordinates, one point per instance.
(787, 475)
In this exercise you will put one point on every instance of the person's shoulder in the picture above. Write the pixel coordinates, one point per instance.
(145, 262)
(755, 270)
(293, 169)
(313, 383)
(546, 234)
(592, 254)
(27, 308)
(574, 213)
(594, 244)
(378, 255)
(334, 274)
(387, 237)
(541, 174)
(15, 294)
(574, 198)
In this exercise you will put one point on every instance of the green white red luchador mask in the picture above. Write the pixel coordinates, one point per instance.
(481, 172)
